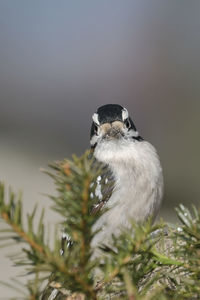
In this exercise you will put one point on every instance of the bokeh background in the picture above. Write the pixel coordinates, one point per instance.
(60, 60)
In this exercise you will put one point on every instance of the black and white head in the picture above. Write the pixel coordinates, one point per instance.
(112, 122)
(112, 129)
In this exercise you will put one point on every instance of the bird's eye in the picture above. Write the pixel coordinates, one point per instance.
(95, 128)
(127, 123)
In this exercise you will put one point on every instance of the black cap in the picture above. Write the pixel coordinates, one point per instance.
(109, 113)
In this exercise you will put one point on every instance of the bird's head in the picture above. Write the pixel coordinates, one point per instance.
(111, 122)
(112, 133)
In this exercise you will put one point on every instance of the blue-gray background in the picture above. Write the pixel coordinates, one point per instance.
(60, 60)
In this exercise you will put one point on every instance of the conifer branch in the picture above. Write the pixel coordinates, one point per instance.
(143, 263)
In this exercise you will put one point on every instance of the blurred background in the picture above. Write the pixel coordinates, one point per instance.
(60, 60)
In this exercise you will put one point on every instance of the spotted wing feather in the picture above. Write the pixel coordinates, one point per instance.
(103, 186)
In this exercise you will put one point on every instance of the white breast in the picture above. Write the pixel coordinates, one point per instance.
(139, 185)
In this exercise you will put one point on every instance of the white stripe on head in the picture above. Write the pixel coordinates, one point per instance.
(134, 133)
(93, 140)
(95, 118)
(124, 114)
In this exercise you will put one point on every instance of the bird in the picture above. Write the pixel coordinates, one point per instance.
(130, 186)
(133, 173)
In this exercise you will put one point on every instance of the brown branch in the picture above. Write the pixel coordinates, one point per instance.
(114, 273)
(23, 234)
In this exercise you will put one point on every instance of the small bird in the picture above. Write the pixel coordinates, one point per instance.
(131, 183)
(134, 168)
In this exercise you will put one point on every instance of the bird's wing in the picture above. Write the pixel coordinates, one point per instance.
(103, 187)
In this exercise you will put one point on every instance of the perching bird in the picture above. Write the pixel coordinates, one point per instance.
(135, 168)
(131, 184)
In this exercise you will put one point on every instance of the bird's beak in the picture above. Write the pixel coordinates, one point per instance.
(112, 130)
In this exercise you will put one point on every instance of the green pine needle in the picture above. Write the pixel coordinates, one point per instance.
(143, 263)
